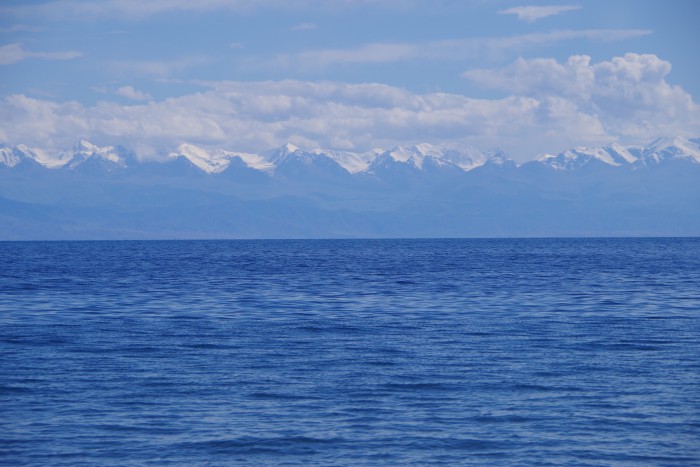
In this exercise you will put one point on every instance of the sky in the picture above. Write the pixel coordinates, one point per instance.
(250, 75)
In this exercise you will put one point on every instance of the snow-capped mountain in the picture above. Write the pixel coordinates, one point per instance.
(616, 155)
(12, 157)
(400, 162)
(393, 164)
(351, 161)
(22, 156)
(87, 157)
(499, 160)
(574, 159)
(416, 155)
(420, 190)
(217, 160)
(463, 160)
(292, 163)
(666, 149)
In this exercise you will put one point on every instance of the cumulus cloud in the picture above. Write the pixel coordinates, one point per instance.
(13, 53)
(131, 93)
(551, 106)
(533, 13)
(629, 94)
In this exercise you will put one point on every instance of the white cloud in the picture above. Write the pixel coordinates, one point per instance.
(533, 13)
(457, 49)
(629, 95)
(237, 45)
(13, 53)
(552, 106)
(131, 93)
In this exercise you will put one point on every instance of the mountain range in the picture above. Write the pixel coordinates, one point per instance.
(87, 156)
(93, 192)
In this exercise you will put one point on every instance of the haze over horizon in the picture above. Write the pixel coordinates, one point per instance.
(347, 75)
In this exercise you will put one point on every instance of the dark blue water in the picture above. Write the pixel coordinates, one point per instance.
(488, 352)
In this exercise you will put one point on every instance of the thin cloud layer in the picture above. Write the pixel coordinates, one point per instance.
(156, 68)
(304, 27)
(551, 106)
(445, 50)
(139, 9)
(534, 13)
(14, 53)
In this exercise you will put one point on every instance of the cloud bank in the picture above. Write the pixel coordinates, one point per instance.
(628, 95)
(547, 106)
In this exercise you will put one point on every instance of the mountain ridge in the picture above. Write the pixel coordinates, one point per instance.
(85, 156)
(405, 191)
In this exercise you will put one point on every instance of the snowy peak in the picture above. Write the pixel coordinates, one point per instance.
(288, 151)
(85, 147)
(22, 155)
(446, 157)
(350, 161)
(434, 164)
(617, 155)
(8, 157)
(499, 159)
(291, 162)
(624, 155)
(209, 162)
(664, 149)
(276, 155)
(614, 155)
(11, 157)
(574, 159)
(417, 155)
(217, 160)
(392, 159)
(85, 156)
(407, 164)
(426, 149)
(406, 156)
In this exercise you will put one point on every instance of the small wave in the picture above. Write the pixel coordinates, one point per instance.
(14, 390)
(247, 445)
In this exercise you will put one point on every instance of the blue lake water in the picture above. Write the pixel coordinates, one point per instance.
(485, 352)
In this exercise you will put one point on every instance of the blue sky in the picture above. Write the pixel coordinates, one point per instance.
(248, 75)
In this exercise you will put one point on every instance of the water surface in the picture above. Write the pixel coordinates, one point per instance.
(485, 352)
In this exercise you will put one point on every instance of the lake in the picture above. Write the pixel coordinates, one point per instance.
(337, 352)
